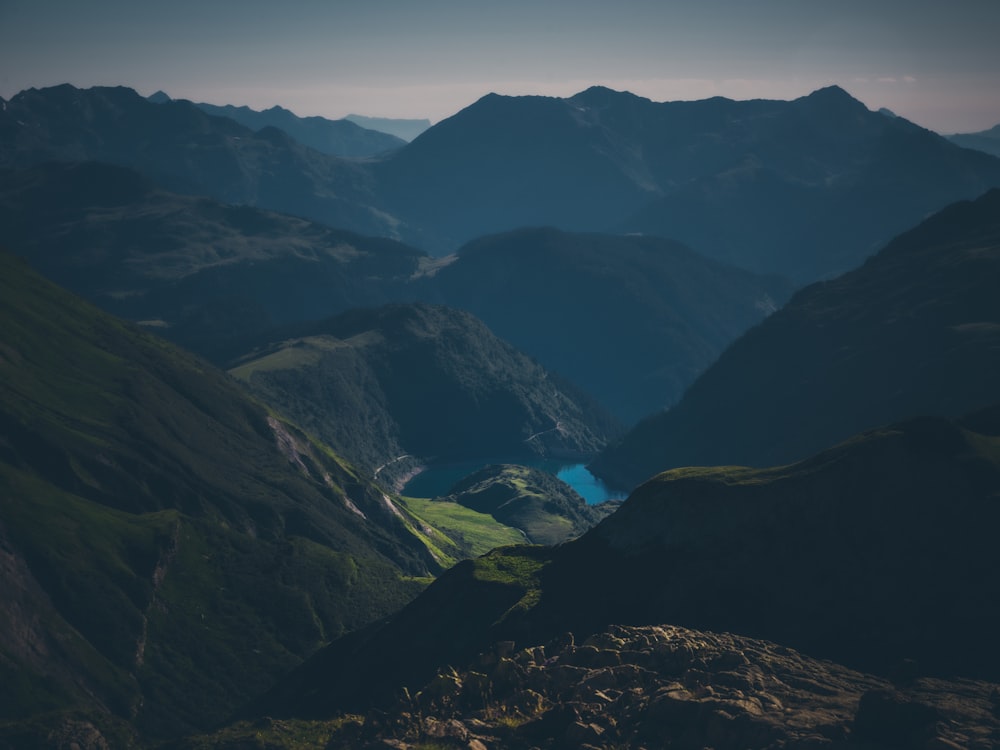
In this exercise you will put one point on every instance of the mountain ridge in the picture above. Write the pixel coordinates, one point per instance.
(911, 331)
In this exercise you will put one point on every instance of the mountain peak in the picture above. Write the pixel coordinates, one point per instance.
(602, 96)
(159, 97)
(831, 96)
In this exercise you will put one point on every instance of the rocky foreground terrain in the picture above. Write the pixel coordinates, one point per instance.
(637, 688)
(669, 687)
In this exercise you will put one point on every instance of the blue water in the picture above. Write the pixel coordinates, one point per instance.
(438, 480)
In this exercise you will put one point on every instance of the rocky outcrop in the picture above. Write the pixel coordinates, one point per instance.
(669, 687)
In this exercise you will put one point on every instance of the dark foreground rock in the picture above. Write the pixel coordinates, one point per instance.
(669, 687)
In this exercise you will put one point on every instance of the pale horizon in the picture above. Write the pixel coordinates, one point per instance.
(934, 64)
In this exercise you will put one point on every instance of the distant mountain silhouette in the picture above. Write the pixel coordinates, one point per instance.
(407, 129)
(632, 320)
(189, 151)
(806, 188)
(334, 137)
(986, 140)
(915, 330)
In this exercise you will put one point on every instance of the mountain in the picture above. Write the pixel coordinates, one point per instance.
(878, 554)
(343, 138)
(407, 129)
(545, 508)
(210, 276)
(188, 151)
(632, 320)
(168, 545)
(805, 188)
(787, 187)
(425, 382)
(985, 140)
(915, 330)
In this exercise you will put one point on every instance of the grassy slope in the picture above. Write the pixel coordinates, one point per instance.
(175, 546)
(474, 533)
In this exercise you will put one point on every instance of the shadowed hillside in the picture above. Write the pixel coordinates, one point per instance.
(915, 330)
(425, 382)
(210, 276)
(632, 320)
(169, 546)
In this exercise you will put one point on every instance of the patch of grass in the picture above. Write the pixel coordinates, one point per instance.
(511, 565)
(287, 734)
(476, 533)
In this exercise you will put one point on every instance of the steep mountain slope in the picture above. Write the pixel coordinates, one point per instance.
(632, 320)
(805, 188)
(168, 545)
(429, 382)
(874, 552)
(209, 275)
(334, 137)
(188, 151)
(986, 140)
(915, 330)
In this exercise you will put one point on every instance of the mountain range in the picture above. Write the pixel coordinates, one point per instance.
(631, 320)
(913, 331)
(187, 150)
(193, 557)
(334, 137)
(805, 188)
(773, 186)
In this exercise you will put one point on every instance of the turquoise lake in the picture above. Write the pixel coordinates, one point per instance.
(436, 481)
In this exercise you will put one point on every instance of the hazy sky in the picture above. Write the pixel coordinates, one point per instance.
(935, 62)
